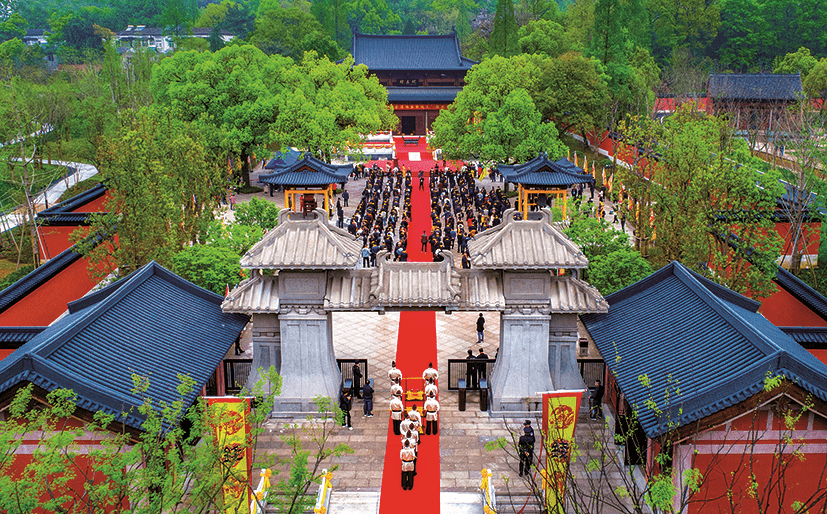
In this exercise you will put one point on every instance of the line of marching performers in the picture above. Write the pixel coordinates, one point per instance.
(408, 423)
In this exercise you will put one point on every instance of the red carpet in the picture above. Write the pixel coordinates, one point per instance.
(415, 348)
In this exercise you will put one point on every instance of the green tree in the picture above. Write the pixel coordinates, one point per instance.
(707, 209)
(494, 118)
(544, 37)
(234, 90)
(801, 61)
(373, 16)
(174, 463)
(325, 106)
(215, 41)
(284, 31)
(573, 92)
(815, 85)
(211, 267)
(685, 23)
(743, 38)
(13, 27)
(504, 37)
(164, 184)
(333, 15)
(258, 213)
(235, 236)
(456, 14)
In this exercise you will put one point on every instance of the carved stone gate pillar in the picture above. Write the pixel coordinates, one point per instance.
(266, 345)
(522, 368)
(308, 363)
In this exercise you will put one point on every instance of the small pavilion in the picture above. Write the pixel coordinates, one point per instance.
(540, 178)
(308, 177)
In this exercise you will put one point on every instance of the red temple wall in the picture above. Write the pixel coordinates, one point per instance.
(45, 304)
(726, 459)
(783, 310)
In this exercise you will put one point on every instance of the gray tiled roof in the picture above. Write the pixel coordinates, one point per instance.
(348, 290)
(427, 284)
(256, 295)
(299, 243)
(481, 290)
(526, 244)
(569, 295)
(682, 330)
(409, 52)
(153, 323)
(423, 94)
(308, 171)
(755, 86)
(542, 172)
(16, 336)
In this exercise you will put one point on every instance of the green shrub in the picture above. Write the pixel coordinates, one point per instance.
(14, 276)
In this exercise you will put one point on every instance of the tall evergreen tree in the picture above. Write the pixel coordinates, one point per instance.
(504, 40)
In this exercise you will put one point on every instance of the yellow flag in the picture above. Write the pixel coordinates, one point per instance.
(232, 434)
(560, 410)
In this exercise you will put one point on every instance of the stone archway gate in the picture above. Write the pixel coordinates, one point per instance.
(305, 269)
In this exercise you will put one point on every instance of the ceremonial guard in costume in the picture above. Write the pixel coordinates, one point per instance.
(407, 455)
(396, 389)
(397, 408)
(415, 417)
(430, 373)
(394, 374)
(431, 389)
(431, 409)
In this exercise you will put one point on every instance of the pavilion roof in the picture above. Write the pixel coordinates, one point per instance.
(304, 244)
(409, 52)
(308, 171)
(683, 331)
(153, 323)
(525, 245)
(543, 172)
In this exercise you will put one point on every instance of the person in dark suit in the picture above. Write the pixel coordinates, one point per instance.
(345, 403)
(526, 448)
(481, 367)
(367, 394)
(597, 400)
(357, 380)
(471, 371)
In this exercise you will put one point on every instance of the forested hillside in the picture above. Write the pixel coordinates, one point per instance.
(736, 35)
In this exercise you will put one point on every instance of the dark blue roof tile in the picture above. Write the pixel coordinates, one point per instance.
(152, 323)
(683, 332)
(543, 172)
(308, 171)
(409, 52)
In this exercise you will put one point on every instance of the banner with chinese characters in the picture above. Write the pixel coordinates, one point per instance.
(231, 419)
(560, 410)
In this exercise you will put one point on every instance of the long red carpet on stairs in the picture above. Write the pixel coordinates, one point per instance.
(415, 349)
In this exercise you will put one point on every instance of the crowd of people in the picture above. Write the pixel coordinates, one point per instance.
(382, 217)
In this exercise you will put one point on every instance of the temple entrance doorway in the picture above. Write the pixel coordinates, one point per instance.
(407, 125)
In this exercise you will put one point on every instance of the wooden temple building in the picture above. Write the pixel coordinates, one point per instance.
(541, 181)
(308, 177)
(423, 74)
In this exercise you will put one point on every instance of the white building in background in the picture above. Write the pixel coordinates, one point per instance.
(141, 36)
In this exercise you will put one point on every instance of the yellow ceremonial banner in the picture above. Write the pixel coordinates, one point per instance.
(484, 173)
(560, 410)
(231, 420)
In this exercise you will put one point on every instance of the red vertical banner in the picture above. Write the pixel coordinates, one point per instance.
(230, 417)
(560, 410)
